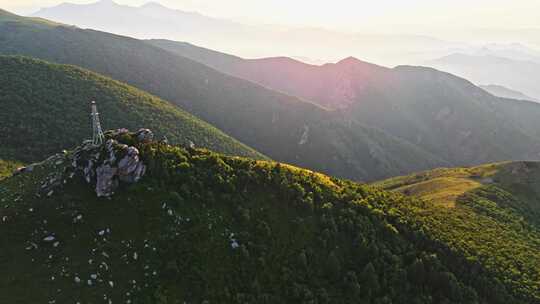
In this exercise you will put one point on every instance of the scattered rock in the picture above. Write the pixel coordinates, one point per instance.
(49, 239)
(305, 136)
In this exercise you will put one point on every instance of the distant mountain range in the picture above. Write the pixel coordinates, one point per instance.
(280, 126)
(362, 122)
(441, 113)
(520, 75)
(156, 21)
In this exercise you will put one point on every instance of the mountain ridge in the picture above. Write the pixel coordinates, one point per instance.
(409, 102)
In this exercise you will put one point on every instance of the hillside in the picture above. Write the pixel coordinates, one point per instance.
(439, 113)
(45, 108)
(282, 127)
(202, 227)
(492, 210)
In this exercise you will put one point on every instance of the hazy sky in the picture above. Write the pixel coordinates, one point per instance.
(384, 15)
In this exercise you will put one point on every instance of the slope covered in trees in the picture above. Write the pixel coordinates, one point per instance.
(489, 213)
(201, 227)
(280, 126)
(440, 113)
(45, 108)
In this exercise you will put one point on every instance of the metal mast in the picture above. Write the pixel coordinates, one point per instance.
(97, 136)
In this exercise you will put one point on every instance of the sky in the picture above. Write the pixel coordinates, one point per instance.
(382, 15)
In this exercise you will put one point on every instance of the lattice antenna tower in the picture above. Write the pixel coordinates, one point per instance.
(97, 136)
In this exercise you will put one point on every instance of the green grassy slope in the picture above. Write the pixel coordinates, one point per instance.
(271, 122)
(204, 228)
(438, 112)
(45, 108)
(489, 213)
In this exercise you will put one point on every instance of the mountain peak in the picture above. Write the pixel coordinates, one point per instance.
(350, 60)
(153, 5)
(106, 2)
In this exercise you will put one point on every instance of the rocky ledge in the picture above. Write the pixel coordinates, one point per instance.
(104, 166)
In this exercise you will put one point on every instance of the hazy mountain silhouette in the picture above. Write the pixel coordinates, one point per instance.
(504, 92)
(156, 21)
(444, 114)
(486, 69)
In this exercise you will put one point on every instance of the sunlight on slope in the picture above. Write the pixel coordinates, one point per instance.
(443, 186)
(443, 191)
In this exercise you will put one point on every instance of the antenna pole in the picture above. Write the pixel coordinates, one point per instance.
(97, 136)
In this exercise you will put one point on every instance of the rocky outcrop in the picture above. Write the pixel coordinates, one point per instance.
(105, 166)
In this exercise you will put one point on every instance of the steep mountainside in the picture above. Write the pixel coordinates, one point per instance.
(201, 227)
(438, 112)
(331, 85)
(280, 126)
(45, 108)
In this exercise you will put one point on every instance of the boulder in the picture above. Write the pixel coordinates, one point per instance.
(145, 135)
(106, 183)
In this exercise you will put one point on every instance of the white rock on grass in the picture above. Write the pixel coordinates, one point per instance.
(49, 238)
